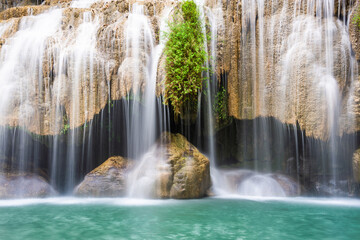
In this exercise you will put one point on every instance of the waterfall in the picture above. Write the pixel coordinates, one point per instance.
(81, 54)
(139, 49)
(302, 45)
(82, 3)
(261, 186)
(142, 122)
(81, 82)
(254, 184)
(22, 67)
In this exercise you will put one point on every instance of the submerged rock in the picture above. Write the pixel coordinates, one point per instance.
(24, 185)
(107, 180)
(174, 169)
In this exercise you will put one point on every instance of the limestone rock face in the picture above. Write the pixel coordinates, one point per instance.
(107, 180)
(354, 30)
(189, 170)
(267, 50)
(82, 59)
(6, 4)
(354, 33)
(272, 69)
(356, 165)
(24, 185)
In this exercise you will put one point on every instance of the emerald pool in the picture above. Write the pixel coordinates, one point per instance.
(210, 218)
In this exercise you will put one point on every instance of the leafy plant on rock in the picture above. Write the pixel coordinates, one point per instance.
(185, 58)
(356, 18)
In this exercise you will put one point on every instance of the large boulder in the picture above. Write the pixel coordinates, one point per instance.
(24, 185)
(173, 168)
(190, 168)
(107, 180)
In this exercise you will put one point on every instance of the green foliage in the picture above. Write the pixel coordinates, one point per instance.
(356, 18)
(185, 58)
(220, 105)
(66, 125)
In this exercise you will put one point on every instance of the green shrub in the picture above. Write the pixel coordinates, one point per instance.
(66, 125)
(185, 58)
(356, 18)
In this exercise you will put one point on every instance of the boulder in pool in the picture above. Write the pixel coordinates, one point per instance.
(173, 168)
(107, 180)
(24, 185)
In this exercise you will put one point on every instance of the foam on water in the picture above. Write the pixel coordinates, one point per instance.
(83, 201)
(348, 202)
(345, 202)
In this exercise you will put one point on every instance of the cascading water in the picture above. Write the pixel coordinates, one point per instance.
(302, 41)
(260, 186)
(83, 3)
(139, 49)
(81, 54)
(305, 51)
(77, 77)
(142, 122)
(22, 68)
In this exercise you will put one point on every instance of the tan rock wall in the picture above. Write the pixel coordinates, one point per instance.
(74, 85)
(267, 73)
(282, 71)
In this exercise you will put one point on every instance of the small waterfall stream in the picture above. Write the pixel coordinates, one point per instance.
(22, 67)
(142, 135)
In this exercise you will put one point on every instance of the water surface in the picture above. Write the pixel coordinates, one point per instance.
(212, 218)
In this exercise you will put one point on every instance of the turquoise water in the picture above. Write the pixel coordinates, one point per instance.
(213, 218)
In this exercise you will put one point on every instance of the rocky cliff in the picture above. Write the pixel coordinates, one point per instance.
(292, 60)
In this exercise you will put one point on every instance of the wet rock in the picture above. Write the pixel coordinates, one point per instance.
(172, 168)
(251, 183)
(289, 185)
(288, 91)
(113, 74)
(24, 185)
(354, 30)
(189, 169)
(107, 180)
(356, 165)
(18, 12)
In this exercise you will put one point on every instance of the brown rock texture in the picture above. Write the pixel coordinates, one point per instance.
(73, 85)
(107, 180)
(24, 185)
(22, 11)
(274, 75)
(356, 165)
(268, 73)
(354, 32)
(188, 173)
(6, 4)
